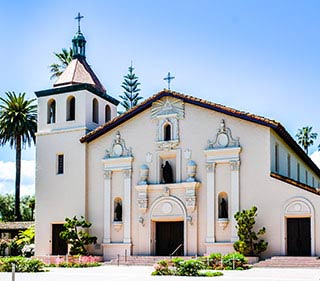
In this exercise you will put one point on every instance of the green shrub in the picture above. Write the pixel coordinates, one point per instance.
(209, 273)
(176, 261)
(249, 243)
(239, 268)
(22, 264)
(190, 268)
(162, 268)
(234, 260)
(214, 260)
(78, 239)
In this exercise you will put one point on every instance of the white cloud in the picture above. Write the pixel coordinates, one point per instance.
(315, 156)
(7, 177)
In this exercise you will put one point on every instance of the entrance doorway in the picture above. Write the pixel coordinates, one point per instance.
(169, 235)
(59, 246)
(298, 237)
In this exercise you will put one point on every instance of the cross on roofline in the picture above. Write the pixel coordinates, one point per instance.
(79, 17)
(169, 78)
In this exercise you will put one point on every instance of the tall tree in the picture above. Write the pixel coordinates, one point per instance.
(18, 125)
(305, 137)
(130, 85)
(64, 58)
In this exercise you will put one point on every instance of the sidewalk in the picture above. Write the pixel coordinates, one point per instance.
(142, 273)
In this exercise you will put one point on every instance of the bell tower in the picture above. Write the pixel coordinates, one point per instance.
(75, 105)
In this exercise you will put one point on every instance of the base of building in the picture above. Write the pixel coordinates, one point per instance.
(112, 250)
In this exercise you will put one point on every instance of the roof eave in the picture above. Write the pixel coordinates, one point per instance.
(74, 88)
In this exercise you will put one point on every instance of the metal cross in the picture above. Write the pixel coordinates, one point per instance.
(79, 17)
(169, 78)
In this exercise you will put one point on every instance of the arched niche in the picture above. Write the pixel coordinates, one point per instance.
(167, 131)
(117, 207)
(95, 111)
(107, 113)
(71, 108)
(223, 205)
(51, 111)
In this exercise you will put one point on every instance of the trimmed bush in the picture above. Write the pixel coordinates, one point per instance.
(234, 260)
(22, 264)
(190, 268)
(162, 268)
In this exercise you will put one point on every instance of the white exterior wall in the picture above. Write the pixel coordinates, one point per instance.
(62, 195)
(256, 186)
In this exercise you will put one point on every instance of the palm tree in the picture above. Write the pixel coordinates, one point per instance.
(64, 59)
(18, 125)
(306, 137)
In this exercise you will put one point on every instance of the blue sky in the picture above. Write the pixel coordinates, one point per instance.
(257, 56)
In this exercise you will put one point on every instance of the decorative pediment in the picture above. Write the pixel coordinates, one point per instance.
(167, 106)
(118, 148)
(223, 138)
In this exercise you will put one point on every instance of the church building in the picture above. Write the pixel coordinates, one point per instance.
(167, 175)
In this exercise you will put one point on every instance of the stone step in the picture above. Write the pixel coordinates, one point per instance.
(280, 261)
(142, 260)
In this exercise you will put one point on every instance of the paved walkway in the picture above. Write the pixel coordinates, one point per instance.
(142, 273)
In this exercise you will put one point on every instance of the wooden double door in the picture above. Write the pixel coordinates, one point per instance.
(169, 236)
(298, 237)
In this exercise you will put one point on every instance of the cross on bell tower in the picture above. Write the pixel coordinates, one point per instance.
(78, 41)
(169, 78)
(79, 17)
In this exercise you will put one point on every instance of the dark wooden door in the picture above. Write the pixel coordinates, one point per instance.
(298, 237)
(59, 246)
(169, 235)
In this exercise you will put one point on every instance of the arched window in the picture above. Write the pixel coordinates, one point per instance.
(167, 132)
(117, 209)
(95, 111)
(71, 108)
(223, 205)
(107, 113)
(51, 112)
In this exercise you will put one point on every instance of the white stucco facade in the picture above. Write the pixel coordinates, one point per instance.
(213, 155)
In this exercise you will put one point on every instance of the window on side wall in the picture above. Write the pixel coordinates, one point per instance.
(60, 164)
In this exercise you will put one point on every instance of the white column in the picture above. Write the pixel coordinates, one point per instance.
(107, 207)
(235, 196)
(127, 207)
(210, 203)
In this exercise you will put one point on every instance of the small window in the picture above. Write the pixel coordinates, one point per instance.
(313, 182)
(167, 132)
(95, 111)
(298, 172)
(289, 165)
(60, 164)
(117, 209)
(107, 113)
(71, 106)
(223, 205)
(276, 157)
(307, 176)
(51, 118)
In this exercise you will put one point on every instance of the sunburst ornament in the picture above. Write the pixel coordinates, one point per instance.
(167, 106)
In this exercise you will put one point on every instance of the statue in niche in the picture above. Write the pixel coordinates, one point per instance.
(167, 173)
(118, 212)
(223, 209)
